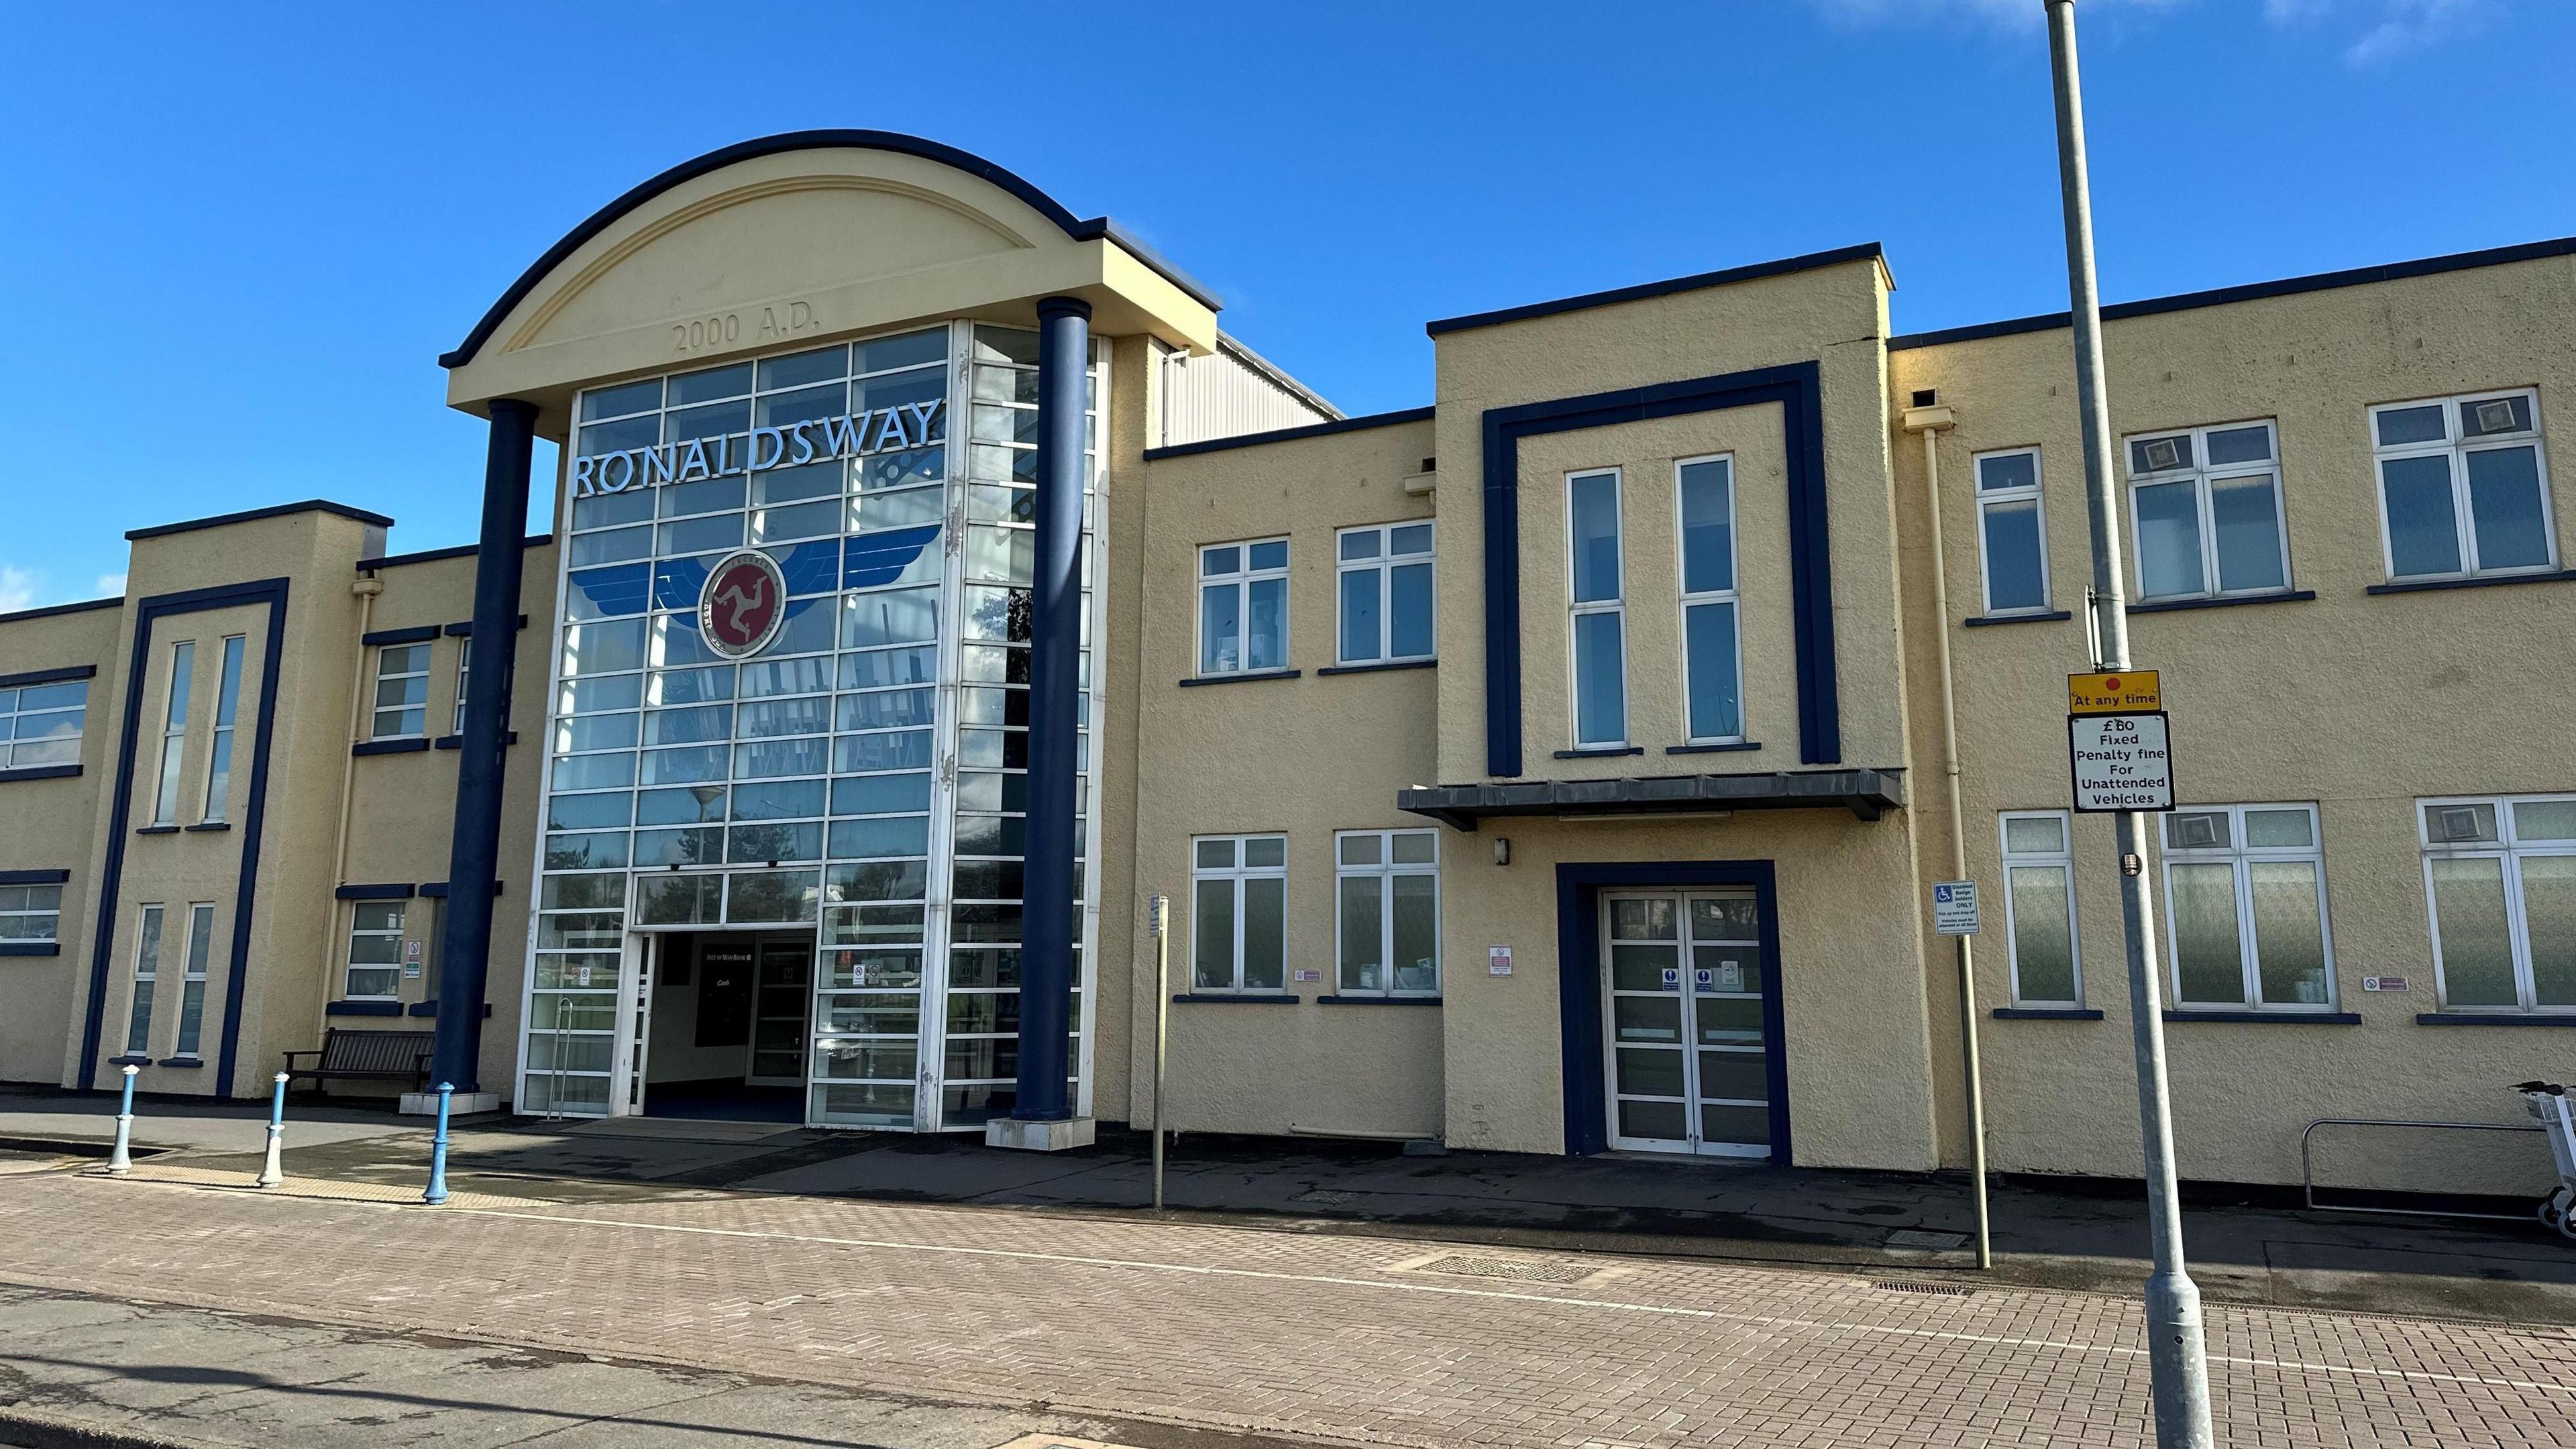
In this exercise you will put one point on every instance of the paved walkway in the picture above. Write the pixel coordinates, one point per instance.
(1345, 1337)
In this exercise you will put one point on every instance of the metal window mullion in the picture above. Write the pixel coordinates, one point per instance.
(2526, 987)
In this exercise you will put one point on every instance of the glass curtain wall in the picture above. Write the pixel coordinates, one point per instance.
(864, 773)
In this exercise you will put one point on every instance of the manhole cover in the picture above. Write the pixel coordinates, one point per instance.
(1517, 1270)
(1938, 1290)
(1925, 1238)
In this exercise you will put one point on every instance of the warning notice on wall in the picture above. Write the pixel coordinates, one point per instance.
(2121, 762)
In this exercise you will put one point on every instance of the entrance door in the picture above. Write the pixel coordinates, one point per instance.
(783, 991)
(1689, 1057)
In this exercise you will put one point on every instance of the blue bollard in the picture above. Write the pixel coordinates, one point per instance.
(273, 1170)
(437, 1192)
(121, 1160)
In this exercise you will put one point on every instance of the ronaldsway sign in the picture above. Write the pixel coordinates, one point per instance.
(2119, 745)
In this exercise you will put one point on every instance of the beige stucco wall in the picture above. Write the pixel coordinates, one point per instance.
(47, 825)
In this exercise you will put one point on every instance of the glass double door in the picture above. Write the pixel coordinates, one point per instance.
(1688, 1044)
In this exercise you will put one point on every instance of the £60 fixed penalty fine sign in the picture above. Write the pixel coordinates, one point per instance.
(2118, 743)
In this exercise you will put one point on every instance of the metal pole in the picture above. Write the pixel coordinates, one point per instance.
(1160, 909)
(2177, 1356)
(437, 1191)
(272, 1171)
(120, 1160)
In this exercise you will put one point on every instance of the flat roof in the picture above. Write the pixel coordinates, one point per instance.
(1285, 435)
(253, 515)
(1866, 251)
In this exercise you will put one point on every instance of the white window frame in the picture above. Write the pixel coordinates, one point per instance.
(2037, 495)
(2456, 447)
(1577, 609)
(30, 921)
(142, 1005)
(464, 676)
(2240, 856)
(377, 710)
(2203, 475)
(1241, 581)
(192, 981)
(13, 701)
(1385, 871)
(2509, 848)
(1238, 874)
(351, 965)
(2062, 860)
(174, 731)
(230, 662)
(1384, 565)
(1732, 596)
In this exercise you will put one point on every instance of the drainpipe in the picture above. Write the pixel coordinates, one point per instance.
(366, 590)
(1930, 422)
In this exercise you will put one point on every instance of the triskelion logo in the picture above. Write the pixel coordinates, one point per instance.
(743, 603)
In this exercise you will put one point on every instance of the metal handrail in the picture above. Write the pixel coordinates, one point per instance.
(2307, 1166)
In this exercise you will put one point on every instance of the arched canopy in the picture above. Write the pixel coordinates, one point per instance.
(807, 237)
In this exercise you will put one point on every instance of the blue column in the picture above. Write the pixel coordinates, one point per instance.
(474, 847)
(1055, 712)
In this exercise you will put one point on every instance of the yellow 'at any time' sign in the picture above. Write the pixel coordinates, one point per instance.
(2130, 691)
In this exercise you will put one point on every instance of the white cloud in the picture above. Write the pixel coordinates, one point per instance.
(110, 585)
(17, 588)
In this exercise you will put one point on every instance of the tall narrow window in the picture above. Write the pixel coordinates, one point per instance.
(2012, 532)
(2245, 892)
(2207, 510)
(2039, 910)
(147, 969)
(1239, 913)
(192, 983)
(174, 734)
(464, 677)
(1387, 909)
(1712, 653)
(1599, 621)
(2501, 874)
(219, 758)
(402, 692)
(1385, 593)
(375, 948)
(1243, 607)
(2462, 491)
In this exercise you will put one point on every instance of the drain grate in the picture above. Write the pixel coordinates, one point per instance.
(1938, 1290)
(1926, 1238)
(1517, 1270)
(1327, 1197)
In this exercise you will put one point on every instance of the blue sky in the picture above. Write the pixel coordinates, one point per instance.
(242, 235)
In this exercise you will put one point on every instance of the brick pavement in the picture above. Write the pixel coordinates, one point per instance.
(1337, 1337)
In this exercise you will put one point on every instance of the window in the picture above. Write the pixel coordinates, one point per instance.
(192, 984)
(2461, 488)
(2501, 874)
(2012, 532)
(375, 948)
(147, 967)
(1243, 607)
(464, 676)
(2245, 898)
(1386, 593)
(402, 692)
(1712, 672)
(1239, 913)
(1598, 617)
(30, 912)
(1387, 909)
(2206, 509)
(219, 757)
(40, 724)
(174, 734)
(2039, 910)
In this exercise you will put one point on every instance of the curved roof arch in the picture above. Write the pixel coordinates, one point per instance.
(895, 141)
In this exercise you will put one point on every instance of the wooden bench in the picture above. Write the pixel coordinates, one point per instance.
(351, 1054)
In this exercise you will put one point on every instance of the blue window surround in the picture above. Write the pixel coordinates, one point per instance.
(271, 592)
(48, 676)
(417, 634)
(389, 892)
(1798, 389)
(1578, 978)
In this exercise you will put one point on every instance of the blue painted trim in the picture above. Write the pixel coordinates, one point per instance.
(254, 515)
(1798, 389)
(2499, 1018)
(1988, 621)
(50, 610)
(430, 1008)
(2046, 1013)
(34, 877)
(1712, 749)
(38, 772)
(1601, 752)
(1241, 676)
(49, 676)
(1866, 251)
(1290, 435)
(1379, 668)
(388, 892)
(1377, 1000)
(464, 628)
(207, 827)
(416, 634)
(973, 165)
(411, 746)
(2176, 606)
(457, 742)
(2490, 581)
(130, 1059)
(1236, 998)
(2269, 1018)
(2252, 292)
(31, 948)
(186, 1063)
(433, 555)
(158, 830)
(1578, 979)
(363, 1008)
(148, 612)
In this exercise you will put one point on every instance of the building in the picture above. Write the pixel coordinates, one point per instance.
(1557, 768)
